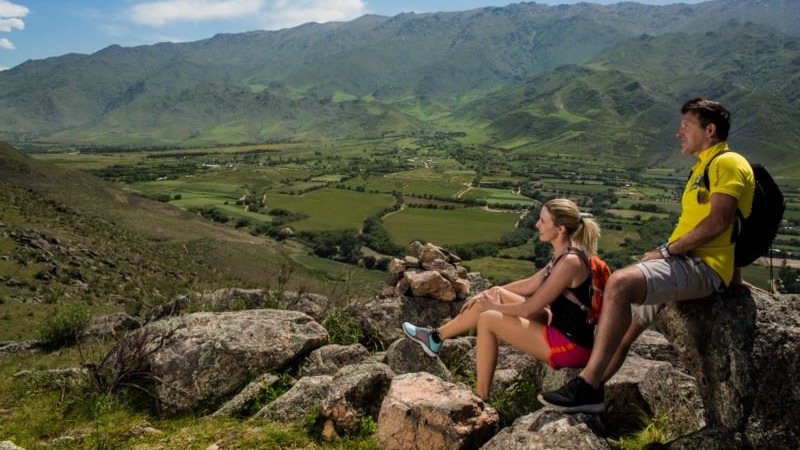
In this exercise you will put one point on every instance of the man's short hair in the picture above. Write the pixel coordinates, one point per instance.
(709, 111)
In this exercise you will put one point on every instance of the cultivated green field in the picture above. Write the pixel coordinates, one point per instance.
(448, 227)
(336, 185)
(501, 270)
(331, 209)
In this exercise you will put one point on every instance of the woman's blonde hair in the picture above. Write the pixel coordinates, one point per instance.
(584, 231)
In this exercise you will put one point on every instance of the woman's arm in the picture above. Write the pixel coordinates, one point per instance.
(526, 286)
(569, 269)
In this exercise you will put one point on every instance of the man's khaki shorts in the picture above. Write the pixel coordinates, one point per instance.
(676, 278)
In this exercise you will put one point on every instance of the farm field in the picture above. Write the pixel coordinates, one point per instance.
(448, 227)
(414, 185)
(330, 209)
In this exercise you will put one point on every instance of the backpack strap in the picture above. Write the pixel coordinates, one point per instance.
(707, 184)
(569, 295)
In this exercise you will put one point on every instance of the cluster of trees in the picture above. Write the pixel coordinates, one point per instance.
(144, 172)
(789, 280)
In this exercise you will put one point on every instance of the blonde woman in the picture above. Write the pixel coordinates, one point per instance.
(534, 314)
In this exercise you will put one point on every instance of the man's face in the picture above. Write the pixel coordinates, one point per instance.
(694, 138)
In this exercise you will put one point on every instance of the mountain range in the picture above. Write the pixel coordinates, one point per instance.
(527, 77)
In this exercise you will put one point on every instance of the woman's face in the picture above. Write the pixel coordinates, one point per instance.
(548, 231)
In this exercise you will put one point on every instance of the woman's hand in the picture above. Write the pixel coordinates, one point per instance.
(488, 303)
(480, 299)
(470, 303)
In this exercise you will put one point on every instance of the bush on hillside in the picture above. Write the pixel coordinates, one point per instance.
(65, 327)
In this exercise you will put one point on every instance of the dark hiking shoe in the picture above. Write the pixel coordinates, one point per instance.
(577, 396)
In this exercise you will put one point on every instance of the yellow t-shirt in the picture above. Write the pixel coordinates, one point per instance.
(729, 174)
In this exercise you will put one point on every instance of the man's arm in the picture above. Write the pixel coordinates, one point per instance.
(722, 215)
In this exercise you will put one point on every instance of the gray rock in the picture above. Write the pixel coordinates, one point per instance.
(406, 356)
(12, 347)
(327, 360)
(380, 317)
(423, 411)
(654, 345)
(644, 387)
(551, 430)
(200, 359)
(356, 392)
(110, 325)
(744, 350)
(300, 400)
(247, 397)
(430, 284)
(8, 445)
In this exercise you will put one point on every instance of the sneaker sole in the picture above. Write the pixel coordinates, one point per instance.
(593, 408)
(425, 348)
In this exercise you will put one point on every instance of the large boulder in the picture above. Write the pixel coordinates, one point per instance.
(329, 359)
(195, 361)
(551, 430)
(743, 348)
(380, 317)
(406, 356)
(423, 411)
(296, 403)
(644, 387)
(355, 393)
(431, 284)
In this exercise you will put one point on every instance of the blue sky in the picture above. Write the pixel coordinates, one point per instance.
(37, 29)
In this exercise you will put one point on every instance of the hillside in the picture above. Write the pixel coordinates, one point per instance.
(619, 102)
(382, 75)
(67, 237)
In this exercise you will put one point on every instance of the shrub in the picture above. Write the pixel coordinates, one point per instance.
(65, 327)
(343, 328)
(516, 401)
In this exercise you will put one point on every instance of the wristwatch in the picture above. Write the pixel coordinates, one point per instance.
(664, 249)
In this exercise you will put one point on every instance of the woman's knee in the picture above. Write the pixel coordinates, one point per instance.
(487, 320)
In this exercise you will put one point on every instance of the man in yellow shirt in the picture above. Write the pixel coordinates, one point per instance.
(696, 260)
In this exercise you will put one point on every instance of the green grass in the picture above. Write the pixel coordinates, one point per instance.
(494, 196)
(32, 415)
(501, 270)
(632, 214)
(408, 186)
(445, 227)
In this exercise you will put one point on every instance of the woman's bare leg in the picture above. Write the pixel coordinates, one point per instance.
(522, 334)
(467, 320)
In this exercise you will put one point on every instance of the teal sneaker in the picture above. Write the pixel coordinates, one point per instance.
(422, 335)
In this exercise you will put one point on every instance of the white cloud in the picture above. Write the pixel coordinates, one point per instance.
(269, 13)
(288, 13)
(5, 44)
(161, 13)
(8, 9)
(11, 23)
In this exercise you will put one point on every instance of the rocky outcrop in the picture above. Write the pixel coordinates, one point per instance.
(550, 430)
(740, 350)
(352, 396)
(200, 359)
(428, 271)
(743, 348)
(421, 411)
(106, 327)
(237, 299)
(329, 359)
(245, 400)
(653, 387)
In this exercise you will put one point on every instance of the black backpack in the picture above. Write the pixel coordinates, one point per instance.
(754, 234)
